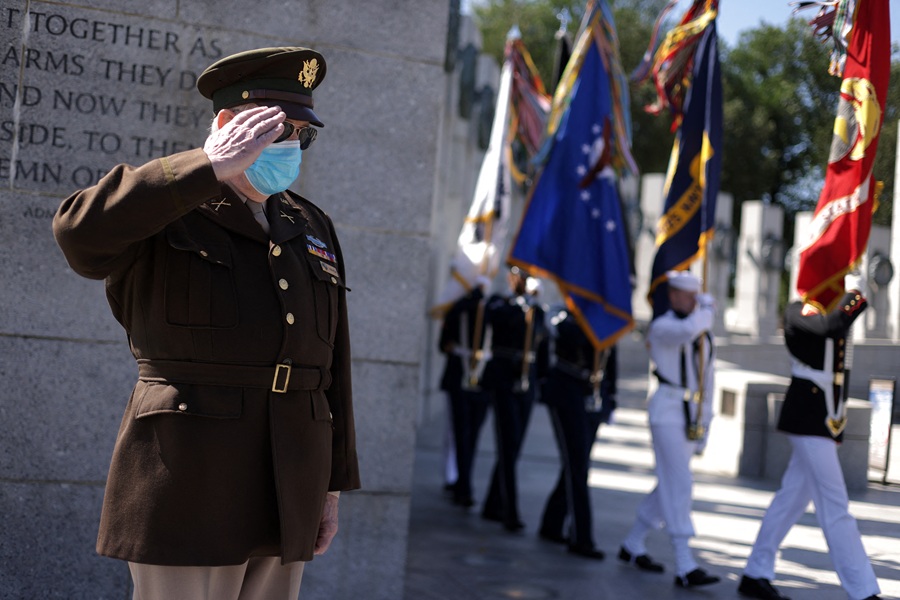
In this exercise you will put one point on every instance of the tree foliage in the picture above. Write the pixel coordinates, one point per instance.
(538, 22)
(779, 101)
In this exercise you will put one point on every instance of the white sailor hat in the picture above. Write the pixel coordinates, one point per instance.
(684, 280)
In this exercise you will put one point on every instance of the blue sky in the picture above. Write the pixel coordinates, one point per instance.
(736, 16)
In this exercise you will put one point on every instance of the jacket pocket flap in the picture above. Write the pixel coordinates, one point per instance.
(216, 402)
(321, 408)
(215, 252)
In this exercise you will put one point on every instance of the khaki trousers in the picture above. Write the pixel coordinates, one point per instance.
(260, 578)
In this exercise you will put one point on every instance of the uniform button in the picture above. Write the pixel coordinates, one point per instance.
(841, 354)
(334, 280)
(853, 303)
(182, 406)
(204, 253)
(840, 365)
(289, 318)
(276, 250)
(283, 284)
(846, 307)
(814, 389)
(841, 342)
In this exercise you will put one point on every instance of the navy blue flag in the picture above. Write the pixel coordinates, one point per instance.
(572, 231)
(687, 225)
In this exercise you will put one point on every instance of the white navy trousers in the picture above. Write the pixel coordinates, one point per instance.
(814, 473)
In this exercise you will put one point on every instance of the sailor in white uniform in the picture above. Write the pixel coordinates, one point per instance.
(683, 351)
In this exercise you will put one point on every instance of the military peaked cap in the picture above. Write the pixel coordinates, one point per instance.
(283, 77)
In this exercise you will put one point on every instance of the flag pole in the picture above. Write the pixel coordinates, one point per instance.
(696, 430)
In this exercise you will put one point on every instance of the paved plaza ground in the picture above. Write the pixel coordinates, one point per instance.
(454, 554)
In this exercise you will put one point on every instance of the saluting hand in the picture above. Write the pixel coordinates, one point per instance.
(236, 144)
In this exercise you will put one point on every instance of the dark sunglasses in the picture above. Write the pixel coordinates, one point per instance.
(305, 135)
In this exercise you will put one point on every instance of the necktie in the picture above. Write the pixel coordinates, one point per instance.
(259, 213)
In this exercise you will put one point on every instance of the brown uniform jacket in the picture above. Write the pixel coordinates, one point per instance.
(212, 465)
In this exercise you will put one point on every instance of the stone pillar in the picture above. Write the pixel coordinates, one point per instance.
(458, 165)
(720, 259)
(85, 85)
(652, 200)
(893, 303)
(760, 261)
(873, 323)
(801, 223)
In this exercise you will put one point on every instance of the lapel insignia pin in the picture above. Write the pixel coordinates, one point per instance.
(284, 215)
(219, 204)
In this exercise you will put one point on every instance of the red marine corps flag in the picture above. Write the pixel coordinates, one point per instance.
(839, 231)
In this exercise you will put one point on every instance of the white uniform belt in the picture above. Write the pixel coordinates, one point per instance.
(824, 379)
(685, 393)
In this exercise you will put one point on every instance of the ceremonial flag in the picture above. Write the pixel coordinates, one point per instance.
(520, 114)
(689, 83)
(839, 232)
(572, 231)
(529, 107)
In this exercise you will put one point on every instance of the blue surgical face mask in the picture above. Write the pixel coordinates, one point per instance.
(276, 168)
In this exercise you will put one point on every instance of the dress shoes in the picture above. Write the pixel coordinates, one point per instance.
(556, 538)
(492, 516)
(760, 588)
(641, 561)
(513, 525)
(696, 578)
(586, 551)
(464, 501)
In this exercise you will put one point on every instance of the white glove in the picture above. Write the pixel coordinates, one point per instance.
(706, 301)
(700, 446)
(855, 281)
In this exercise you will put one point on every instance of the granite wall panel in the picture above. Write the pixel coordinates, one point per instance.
(88, 85)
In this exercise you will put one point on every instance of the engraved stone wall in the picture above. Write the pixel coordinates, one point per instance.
(88, 85)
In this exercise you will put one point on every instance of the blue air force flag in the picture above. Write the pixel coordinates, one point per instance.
(572, 231)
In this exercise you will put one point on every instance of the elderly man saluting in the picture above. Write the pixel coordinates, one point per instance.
(239, 433)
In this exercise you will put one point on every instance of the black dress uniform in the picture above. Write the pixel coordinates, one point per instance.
(462, 339)
(817, 344)
(577, 407)
(814, 417)
(516, 325)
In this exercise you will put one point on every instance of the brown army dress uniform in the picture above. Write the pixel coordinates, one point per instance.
(242, 418)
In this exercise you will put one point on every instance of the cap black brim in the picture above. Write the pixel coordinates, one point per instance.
(297, 112)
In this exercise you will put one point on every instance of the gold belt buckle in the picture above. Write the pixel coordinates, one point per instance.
(286, 369)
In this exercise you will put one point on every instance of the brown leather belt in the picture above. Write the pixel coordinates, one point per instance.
(278, 379)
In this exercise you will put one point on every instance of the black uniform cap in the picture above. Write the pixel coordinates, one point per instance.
(283, 77)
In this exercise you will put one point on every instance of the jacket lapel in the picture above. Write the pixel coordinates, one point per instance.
(287, 219)
(229, 211)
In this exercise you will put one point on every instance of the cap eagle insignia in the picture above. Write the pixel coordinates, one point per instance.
(308, 75)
